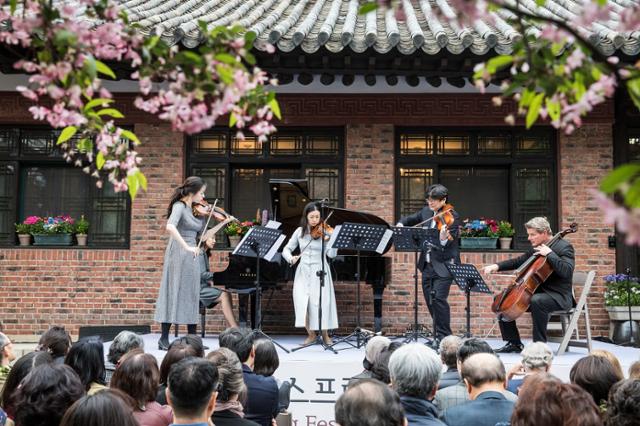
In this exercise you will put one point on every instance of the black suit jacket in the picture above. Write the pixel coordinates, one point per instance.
(441, 254)
(228, 418)
(488, 409)
(262, 397)
(559, 283)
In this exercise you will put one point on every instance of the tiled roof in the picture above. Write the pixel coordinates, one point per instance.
(336, 25)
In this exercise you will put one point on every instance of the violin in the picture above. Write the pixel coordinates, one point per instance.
(321, 229)
(443, 218)
(204, 209)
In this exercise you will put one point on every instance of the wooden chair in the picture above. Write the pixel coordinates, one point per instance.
(569, 318)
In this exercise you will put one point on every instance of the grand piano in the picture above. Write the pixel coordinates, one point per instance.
(288, 198)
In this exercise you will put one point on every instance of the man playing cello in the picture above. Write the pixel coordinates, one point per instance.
(552, 295)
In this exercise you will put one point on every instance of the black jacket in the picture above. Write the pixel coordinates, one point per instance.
(229, 418)
(262, 397)
(559, 283)
(420, 412)
(440, 255)
(488, 409)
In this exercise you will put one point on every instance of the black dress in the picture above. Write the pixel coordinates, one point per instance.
(229, 418)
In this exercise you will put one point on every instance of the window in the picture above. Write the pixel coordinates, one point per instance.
(36, 181)
(504, 174)
(238, 172)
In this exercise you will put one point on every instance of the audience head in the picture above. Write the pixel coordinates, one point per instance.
(45, 395)
(623, 406)
(192, 340)
(230, 338)
(174, 354)
(545, 400)
(415, 371)
(230, 375)
(21, 368)
(191, 390)
(481, 370)
(612, 359)
(472, 346)
(380, 370)
(449, 350)
(105, 408)
(537, 357)
(123, 343)
(380, 403)
(86, 357)
(138, 376)
(596, 375)
(375, 345)
(634, 370)
(6, 350)
(266, 360)
(56, 341)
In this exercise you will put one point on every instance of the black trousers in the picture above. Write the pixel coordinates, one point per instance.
(541, 305)
(437, 303)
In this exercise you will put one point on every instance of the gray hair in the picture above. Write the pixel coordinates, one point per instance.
(230, 376)
(449, 350)
(415, 370)
(123, 343)
(4, 341)
(536, 356)
(539, 224)
(483, 368)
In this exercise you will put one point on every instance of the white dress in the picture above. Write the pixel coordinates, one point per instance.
(306, 285)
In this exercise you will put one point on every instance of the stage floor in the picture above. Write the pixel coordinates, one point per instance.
(319, 376)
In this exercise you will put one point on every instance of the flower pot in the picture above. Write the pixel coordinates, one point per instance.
(505, 243)
(25, 239)
(619, 314)
(53, 239)
(479, 242)
(82, 239)
(234, 240)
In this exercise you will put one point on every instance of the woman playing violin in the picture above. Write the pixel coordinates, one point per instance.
(436, 278)
(306, 285)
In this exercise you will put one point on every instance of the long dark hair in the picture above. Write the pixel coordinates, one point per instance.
(86, 357)
(304, 223)
(21, 368)
(191, 185)
(109, 407)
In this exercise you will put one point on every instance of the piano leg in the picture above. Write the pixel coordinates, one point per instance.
(243, 307)
(377, 307)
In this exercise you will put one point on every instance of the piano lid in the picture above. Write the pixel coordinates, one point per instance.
(288, 198)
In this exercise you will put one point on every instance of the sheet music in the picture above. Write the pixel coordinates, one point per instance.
(334, 235)
(273, 224)
(384, 241)
(241, 243)
(274, 248)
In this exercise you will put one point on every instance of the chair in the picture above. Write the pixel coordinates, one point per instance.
(569, 318)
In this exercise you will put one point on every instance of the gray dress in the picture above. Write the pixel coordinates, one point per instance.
(179, 297)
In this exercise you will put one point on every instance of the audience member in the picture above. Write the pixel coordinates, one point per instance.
(106, 408)
(231, 337)
(375, 345)
(6, 357)
(623, 406)
(20, 370)
(45, 394)
(122, 343)
(231, 389)
(536, 358)
(86, 357)
(596, 375)
(634, 370)
(369, 403)
(415, 371)
(612, 359)
(192, 340)
(57, 342)
(191, 391)
(457, 394)
(545, 400)
(449, 355)
(139, 377)
(174, 354)
(485, 378)
(266, 363)
(380, 370)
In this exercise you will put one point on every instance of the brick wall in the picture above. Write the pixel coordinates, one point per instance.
(74, 287)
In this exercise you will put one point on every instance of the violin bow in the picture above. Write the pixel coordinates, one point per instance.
(431, 218)
(206, 225)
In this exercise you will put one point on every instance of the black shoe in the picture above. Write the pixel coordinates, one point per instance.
(163, 344)
(510, 348)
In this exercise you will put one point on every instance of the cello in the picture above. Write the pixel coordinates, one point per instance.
(514, 300)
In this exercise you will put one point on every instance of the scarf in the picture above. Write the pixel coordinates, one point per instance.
(234, 406)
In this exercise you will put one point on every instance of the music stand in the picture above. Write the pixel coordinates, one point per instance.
(262, 243)
(408, 239)
(468, 279)
(361, 238)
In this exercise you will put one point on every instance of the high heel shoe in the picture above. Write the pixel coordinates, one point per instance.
(163, 344)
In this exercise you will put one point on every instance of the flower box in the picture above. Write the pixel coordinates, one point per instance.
(479, 242)
(53, 239)
(621, 313)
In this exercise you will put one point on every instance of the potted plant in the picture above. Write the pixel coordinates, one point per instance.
(81, 228)
(479, 233)
(616, 297)
(53, 231)
(24, 233)
(236, 230)
(505, 234)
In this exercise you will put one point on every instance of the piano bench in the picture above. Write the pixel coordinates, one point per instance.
(203, 318)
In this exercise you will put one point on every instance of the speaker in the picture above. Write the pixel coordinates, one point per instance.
(109, 332)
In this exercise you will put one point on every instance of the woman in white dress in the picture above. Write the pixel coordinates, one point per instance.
(306, 285)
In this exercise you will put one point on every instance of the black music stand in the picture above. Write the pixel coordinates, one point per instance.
(408, 239)
(468, 279)
(262, 243)
(361, 238)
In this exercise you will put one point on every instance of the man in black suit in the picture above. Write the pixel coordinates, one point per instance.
(485, 378)
(435, 255)
(552, 295)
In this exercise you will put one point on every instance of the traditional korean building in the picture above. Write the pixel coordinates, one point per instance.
(374, 110)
